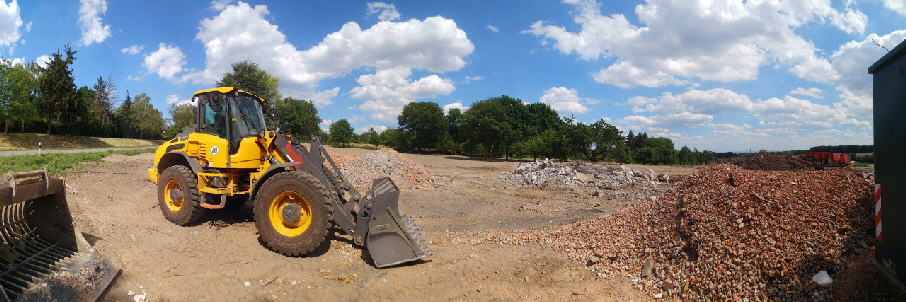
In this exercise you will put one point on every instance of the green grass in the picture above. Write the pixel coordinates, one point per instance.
(56, 163)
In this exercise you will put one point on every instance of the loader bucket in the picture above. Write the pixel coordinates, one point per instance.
(42, 255)
(392, 238)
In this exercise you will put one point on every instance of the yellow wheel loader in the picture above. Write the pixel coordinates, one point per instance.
(229, 157)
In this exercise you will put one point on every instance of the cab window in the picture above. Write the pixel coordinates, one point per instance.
(215, 118)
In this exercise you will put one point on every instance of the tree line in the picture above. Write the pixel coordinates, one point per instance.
(46, 99)
(505, 127)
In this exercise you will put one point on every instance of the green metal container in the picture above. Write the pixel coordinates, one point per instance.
(889, 75)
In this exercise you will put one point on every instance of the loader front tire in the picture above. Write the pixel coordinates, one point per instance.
(293, 213)
(178, 196)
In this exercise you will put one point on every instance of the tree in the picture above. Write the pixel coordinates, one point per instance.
(392, 138)
(148, 121)
(181, 116)
(124, 117)
(486, 126)
(657, 151)
(494, 124)
(298, 117)
(249, 77)
(454, 140)
(423, 123)
(85, 120)
(102, 105)
(58, 90)
(371, 137)
(18, 94)
(341, 133)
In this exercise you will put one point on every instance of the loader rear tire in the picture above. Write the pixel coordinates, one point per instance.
(301, 192)
(182, 207)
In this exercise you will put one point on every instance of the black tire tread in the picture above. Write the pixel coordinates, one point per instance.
(191, 210)
(298, 246)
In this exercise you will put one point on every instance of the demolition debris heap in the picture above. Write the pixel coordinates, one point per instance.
(407, 175)
(548, 174)
(725, 233)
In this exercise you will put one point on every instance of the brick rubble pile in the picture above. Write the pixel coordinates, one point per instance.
(726, 233)
(549, 174)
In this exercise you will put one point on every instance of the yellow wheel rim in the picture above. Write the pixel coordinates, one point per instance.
(288, 228)
(174, 204)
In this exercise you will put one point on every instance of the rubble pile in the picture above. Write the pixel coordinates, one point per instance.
(548, 174)
(726, 233)
(766, 162)
(361, 171)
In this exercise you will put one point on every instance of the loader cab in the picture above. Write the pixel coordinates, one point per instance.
(229, 113)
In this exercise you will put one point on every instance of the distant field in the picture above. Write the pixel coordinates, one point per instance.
(56, 163)
(29, 141)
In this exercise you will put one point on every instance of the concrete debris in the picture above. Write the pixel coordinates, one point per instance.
(361, 171)
(549, 174)
(762, 237)
(822, 278)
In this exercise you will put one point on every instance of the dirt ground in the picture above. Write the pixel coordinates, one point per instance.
(221, 259)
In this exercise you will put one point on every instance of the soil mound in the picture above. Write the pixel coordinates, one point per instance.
(766, 162)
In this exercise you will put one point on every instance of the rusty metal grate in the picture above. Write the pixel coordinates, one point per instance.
(25, 258)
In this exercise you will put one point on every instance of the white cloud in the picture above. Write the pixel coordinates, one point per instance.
(320, 98)
(714, 101)
(457, 105)
(166, 61)
(388, 90)
(325, 125)
(626, 75)
(172, 99)
(10, 23)
(242, 32)
(377, 129)
(794, 112)
(851, 61)
(662, 123)
(493, 28)
(715, 40)
(219, 5)
(475, 78)
(563, 100)
(93, 30)
(355, 118)
(898, 6)
(134, 49)
(133, 78)
(42, 61)
(814, 92)
(385, 12)
(28, 26)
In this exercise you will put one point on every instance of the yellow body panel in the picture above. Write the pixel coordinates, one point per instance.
(211, 150)
(249, 154)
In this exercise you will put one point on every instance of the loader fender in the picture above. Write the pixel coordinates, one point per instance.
(271, 171)
(178, 158)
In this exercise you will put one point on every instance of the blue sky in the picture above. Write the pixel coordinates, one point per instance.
(724, 75)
